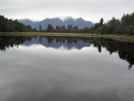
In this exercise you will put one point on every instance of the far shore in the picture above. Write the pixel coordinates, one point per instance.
(124, 38)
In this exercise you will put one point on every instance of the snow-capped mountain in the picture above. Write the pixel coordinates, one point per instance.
(79, 22)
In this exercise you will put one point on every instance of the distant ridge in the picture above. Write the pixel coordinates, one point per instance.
(69, 21)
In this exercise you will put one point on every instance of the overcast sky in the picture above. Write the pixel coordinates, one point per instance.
(88, 9)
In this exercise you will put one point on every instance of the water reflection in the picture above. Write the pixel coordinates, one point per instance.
(125, 50)
(65, 69)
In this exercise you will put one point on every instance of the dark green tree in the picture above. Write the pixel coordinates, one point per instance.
(8, 25)
(50, 28)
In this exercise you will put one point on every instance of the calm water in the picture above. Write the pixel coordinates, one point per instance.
(65, 69)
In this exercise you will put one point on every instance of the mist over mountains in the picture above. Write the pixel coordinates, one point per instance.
(57, 22)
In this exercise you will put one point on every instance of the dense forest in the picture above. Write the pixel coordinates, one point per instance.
(115, 26)
(8, 25)
(123, 26)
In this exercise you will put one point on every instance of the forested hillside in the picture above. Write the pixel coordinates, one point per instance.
(7, 25)
(123, 26)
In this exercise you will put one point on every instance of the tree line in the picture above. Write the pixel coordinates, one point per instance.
(123, 26)
(62, 29)
(8, 25)
(115, 26)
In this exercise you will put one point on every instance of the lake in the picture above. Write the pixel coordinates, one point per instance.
(65, 69)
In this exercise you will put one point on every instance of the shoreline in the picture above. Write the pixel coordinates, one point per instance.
(123, 38)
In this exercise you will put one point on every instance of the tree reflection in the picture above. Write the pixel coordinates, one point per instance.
(125, 50)
(6, 42)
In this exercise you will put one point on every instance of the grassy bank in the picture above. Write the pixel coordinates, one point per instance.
(126, 38)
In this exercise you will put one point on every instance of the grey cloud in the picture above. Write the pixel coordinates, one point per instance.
(89, 9)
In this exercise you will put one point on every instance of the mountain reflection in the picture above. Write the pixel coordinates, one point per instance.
(67, 43)
(125, 50)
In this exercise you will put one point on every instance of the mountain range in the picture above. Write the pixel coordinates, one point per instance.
(80, 23)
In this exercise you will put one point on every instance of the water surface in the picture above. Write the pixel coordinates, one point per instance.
(65, 69)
